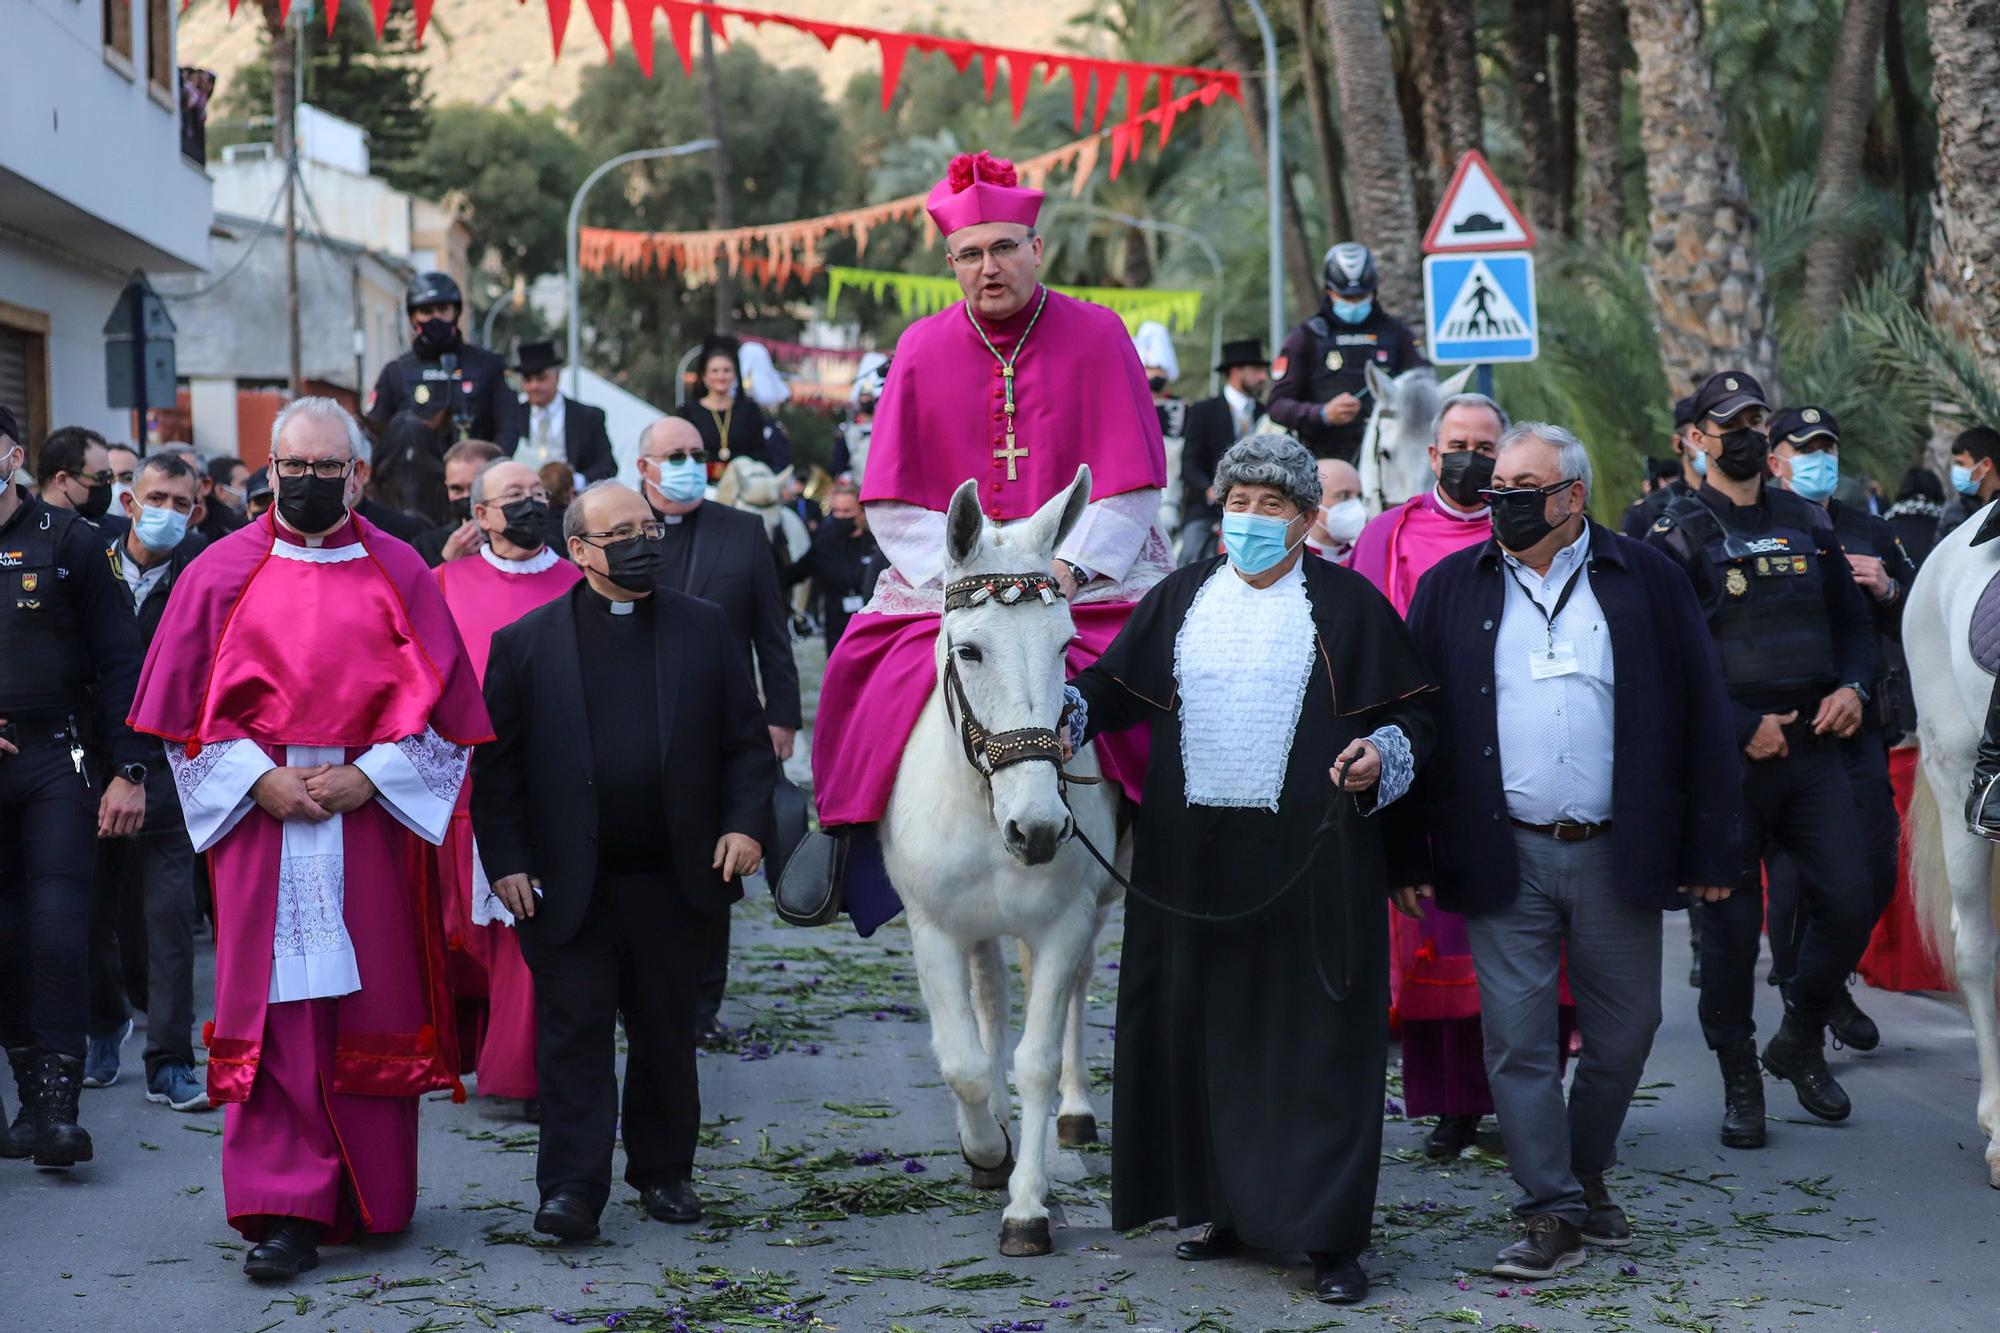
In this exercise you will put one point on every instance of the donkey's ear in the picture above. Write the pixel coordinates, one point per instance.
(1054, 521)
(1381, 385)
(963, 523)
(1456, 384)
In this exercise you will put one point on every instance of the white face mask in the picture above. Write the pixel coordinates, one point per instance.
(1343, 522)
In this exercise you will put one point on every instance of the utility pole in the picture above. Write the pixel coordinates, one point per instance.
(287, 78)
(718, 171)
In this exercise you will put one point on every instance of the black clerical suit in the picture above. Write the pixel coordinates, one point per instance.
(645, 744)
(723, 555)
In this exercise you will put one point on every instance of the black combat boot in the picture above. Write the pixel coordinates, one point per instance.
(1742, 1096)
(1797, 1054)
(1982, 807)
(18, 1139)
(59, 1140)
(1851, 1027)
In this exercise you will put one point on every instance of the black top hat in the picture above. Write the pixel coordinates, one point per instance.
(534, 358)
(1243, 352)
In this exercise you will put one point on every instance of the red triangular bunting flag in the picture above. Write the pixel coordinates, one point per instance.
(960, 55)
(1107, 87)
(828, 33)
(1121, 135)
(558, 23)
(1079, 86)
(894, 48)
(989, 70)
(1020, 75)
(423, 9)
(680, 26)
(639, 15)
(1166, 107)
(382, 8)
(601, 12)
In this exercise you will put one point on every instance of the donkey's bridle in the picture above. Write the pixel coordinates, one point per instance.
(991, 751)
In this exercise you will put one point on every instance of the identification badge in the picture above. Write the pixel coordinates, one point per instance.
(1558, 659)
(851, 604)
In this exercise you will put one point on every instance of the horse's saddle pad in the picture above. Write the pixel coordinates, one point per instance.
(1984, 636)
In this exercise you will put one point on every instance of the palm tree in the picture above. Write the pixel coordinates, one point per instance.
(1962, 283)
(1378, 156)
(1459, 30)
(1600, 56)
(1319, 109)
(1850, 105)
(1702, 266)
(1528, 61)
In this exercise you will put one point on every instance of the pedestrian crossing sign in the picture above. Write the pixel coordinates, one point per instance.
(1480, 307)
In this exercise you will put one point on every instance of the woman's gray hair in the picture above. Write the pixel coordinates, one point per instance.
(1270, 460)
(323, 409)
(1573, 459)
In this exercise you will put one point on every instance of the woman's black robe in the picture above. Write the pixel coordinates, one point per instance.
(1248, 1086)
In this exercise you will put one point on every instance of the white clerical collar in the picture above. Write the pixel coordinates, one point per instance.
(534, 564)
(623, 608)
(1450, 511)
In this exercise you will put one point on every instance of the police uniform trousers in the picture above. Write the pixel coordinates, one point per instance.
(1866, 754)
(48, 854)
(1803, 804)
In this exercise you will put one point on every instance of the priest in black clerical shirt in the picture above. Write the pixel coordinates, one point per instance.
(625, 798)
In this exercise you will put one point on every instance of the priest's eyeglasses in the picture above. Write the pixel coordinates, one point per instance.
(625, 532)
(1002, 251)
(326, 469)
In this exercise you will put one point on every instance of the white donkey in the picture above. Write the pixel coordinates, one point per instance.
(1394, 461)
(1957, 899)
(977, 840)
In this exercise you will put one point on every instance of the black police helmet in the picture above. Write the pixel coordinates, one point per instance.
(1348, 270)
(432, 289)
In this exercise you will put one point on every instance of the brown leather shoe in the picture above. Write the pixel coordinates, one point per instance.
(1550, 1246)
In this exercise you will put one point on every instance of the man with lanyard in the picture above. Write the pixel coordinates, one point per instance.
(1798, 651)
(69, 658)
(1322, 369)
(441, 367)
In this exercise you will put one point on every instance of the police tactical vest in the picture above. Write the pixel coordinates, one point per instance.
(1768, 596)
(45, 664)
(1340, 357)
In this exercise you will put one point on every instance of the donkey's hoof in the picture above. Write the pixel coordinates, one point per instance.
(991, 1177)
(1025, 1240)
(1074, 1131)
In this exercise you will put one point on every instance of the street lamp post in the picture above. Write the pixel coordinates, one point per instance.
(1274, 159)
(1208, 250)
(576, 212)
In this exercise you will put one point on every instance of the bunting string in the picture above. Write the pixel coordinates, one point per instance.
(922, 294)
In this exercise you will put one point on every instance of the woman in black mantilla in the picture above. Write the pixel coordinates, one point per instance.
(730, 422)
(1250, 1054)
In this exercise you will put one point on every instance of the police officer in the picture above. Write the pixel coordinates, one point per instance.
(441, 368)
(1797, 647)
(1646, 510)
(1805, 458)
(69, 659)
(1322, 371)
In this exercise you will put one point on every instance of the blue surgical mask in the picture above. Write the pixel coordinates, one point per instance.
(683, 482)
(1255, 542)
(160, 529)
(1961, 480)
(1815, 475)
(1700, 463)
(1353, 312)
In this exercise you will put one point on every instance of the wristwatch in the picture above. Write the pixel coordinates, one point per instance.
(133, 773)
(1076, 571)
(1857, 687)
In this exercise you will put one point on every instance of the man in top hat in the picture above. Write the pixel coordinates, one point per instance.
(560, 429)
(1014, 387)
(1213, 424)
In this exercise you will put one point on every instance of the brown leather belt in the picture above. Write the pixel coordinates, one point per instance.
(1563, 832)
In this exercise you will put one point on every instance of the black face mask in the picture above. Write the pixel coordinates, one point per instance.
(459, 510)
(633, 564)
(527, 522)
(847, 527)
(312, 504)
(1463, 474)
(435, 337)
(1743, 454)
(1520, 517)
(96, 501)
(1156, 382)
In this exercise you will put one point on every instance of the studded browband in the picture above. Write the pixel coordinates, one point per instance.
(1006, 589)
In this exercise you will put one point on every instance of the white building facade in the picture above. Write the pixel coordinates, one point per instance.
(93, 185)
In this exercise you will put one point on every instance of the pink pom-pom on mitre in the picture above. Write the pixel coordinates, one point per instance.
(979, 187)
(967, 168)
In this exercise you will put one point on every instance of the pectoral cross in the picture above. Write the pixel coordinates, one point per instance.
(1010, 452)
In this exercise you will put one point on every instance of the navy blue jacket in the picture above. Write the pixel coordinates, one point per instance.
(1676, 788)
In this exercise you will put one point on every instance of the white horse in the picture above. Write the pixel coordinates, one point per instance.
(1957, 899)
(1395, 458)
(977, 838)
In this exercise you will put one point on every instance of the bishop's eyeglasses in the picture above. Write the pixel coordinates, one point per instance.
(326, 469)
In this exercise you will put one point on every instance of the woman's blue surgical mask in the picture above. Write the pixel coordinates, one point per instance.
(160, 529)
(1815, 475)
(1961, 480)
(683, 482)
(1256, 542)
(1353, 312)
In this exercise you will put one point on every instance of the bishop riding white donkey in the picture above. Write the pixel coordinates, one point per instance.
(977, 839)
(1394, 461)
(1952, 867)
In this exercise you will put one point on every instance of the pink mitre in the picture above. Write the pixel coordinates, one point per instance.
(981, 188)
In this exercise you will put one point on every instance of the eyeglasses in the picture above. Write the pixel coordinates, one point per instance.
(682, 456)
(625, 532)
(326, 469)
(1497, 494)
(1000, 250)
(104, 478)
(515, 493)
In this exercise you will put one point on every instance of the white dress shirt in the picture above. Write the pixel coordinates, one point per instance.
(1555, 729)
(1243, 409)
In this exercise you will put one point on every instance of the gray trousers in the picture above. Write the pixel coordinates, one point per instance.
(1568, 895)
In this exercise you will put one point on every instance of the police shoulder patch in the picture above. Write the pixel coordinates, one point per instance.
(1665, 523)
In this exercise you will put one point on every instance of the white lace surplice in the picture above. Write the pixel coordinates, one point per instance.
(1242, 658)
(312, 956)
